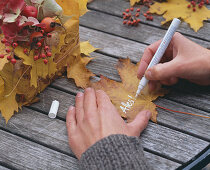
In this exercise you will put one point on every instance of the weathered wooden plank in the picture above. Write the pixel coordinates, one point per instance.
(106, 66)
(113, 25)
(194, 99)
(160, 163)
(113, 45)
(50, 132)
(24, 154)
(116, 7)
(189, 124)
(3, 168)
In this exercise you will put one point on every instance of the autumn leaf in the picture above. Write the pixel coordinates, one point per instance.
(78, 71)
(74, 8)
(8, 103)
(86, 48)
(1, 87)
(178, 9)
(133, 2)
(38, 68)
(83, 6)
(122, 94)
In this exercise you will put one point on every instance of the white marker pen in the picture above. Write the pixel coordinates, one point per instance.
(160, 51)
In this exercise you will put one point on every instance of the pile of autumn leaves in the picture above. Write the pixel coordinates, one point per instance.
(20, 82)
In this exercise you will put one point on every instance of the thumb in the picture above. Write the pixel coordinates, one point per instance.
(163, 71)
(139, 123)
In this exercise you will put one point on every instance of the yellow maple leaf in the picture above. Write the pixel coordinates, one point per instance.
(178, 9)
(78, 71)
(133, 2)
(8, 103)
(86, 48)
(82, 6)
(1, 87)
(74, 8)
(38, 68)
(122, 94)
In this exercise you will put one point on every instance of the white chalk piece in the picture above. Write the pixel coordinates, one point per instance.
(54, 109)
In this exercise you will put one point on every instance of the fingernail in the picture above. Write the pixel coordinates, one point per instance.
(149, 74)
(71, 108)
(80, 94)
(88, 89)
(149, 114)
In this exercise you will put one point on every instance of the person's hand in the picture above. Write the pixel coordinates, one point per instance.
(182, 59)
(95, 117)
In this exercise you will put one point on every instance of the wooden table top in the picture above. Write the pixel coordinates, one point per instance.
(33, 141)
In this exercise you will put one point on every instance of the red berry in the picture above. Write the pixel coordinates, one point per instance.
(148, 12)
(25, 51)
(145, 14)
(207, 2)
(138, 10)
(1, 55)
(137, 14)
(124, 22)
(13, 61)
(46, 48)
(138, 20)
(15, 45)
(9, 57)
(49, 54)
(129, 22)
(134, 21)
(49, 35)
(192, 2)
(8, 50)
(200, 6)
(124, 17)
(124, 13)
(49, 24)
(131, 9)
(151, 18)
(39, 44)
(30, 11)
(3, 41)
(43, 55)
(36, 57)
(127, 10)
(45, 61)
(189, 6)
(194, 9)
(148, 18)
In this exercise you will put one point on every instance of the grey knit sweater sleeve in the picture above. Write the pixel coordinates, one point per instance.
(115, 152)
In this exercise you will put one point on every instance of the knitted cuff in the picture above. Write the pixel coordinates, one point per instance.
(115, 152)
